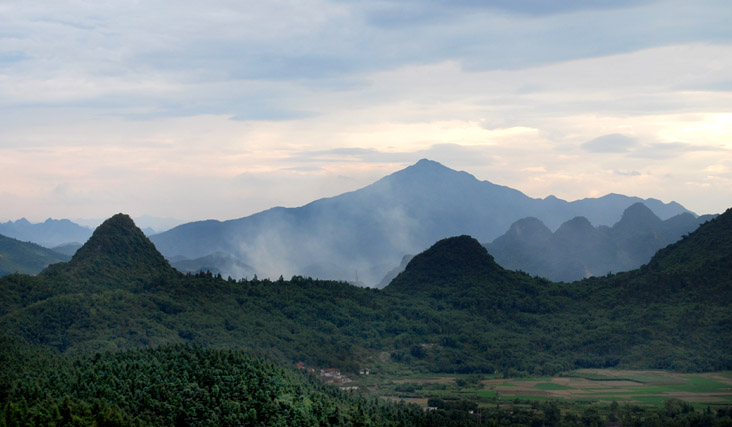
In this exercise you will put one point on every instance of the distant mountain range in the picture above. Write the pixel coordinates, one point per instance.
(362, 235)
(577, 250)
(25, 257)
(66, 236)
(50, 233)
(148, 224)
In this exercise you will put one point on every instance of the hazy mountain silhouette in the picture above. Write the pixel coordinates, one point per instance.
(365, 233)
(391, 274)
(67, 249)
(50, 233)
(578, 250)
(25, 257)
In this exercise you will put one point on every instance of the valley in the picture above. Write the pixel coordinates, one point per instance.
(366, 213)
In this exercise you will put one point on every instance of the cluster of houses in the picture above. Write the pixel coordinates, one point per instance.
(333, 375)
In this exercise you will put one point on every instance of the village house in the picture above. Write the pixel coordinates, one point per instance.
(333, 375)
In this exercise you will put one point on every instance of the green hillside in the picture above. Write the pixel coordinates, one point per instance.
(25, 257)
(453, 310)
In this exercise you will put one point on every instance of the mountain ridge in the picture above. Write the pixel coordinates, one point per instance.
(472, 314)
(577, 250)
(366, 232)
(50, 233)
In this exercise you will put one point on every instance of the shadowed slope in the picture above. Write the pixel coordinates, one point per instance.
(25, 257)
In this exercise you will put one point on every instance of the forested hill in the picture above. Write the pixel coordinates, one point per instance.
(709, 248)
(673, 313)
(118, 253)
(456, 264)
(452, 310)
(180, 385)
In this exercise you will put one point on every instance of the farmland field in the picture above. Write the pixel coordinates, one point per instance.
(636, 387)
(586, 386)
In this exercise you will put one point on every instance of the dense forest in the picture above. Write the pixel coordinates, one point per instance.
(192, 385)
(181, 385)
(452, 310)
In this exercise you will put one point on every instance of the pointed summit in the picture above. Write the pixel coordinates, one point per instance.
(118, 251)
(427, 164)
(455, 261)
(428, 173)
(526, 230)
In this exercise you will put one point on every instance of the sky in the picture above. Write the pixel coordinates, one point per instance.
(220, 109)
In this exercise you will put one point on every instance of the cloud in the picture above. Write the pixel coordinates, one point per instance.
(627, 173)
(266, 113)
(446, 153)
(612, 143)
(398, 14)
(619, 143)
(187, 95)
(665, 150)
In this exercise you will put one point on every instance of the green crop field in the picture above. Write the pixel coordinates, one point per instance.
(638, 387)
(581, 387)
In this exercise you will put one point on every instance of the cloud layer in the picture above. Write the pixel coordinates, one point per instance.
(221, 109)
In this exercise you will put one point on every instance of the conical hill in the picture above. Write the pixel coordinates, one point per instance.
(452, 263)
(118, 252)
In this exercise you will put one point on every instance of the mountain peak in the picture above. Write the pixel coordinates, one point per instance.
(638, 214)
(452, 260)
(118, 249)
(461, 253)
(530, 228)
(577, 225)
(427, 163)
(426, 167)
(426, 179)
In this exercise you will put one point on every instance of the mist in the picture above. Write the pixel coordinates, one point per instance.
(361, 236)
